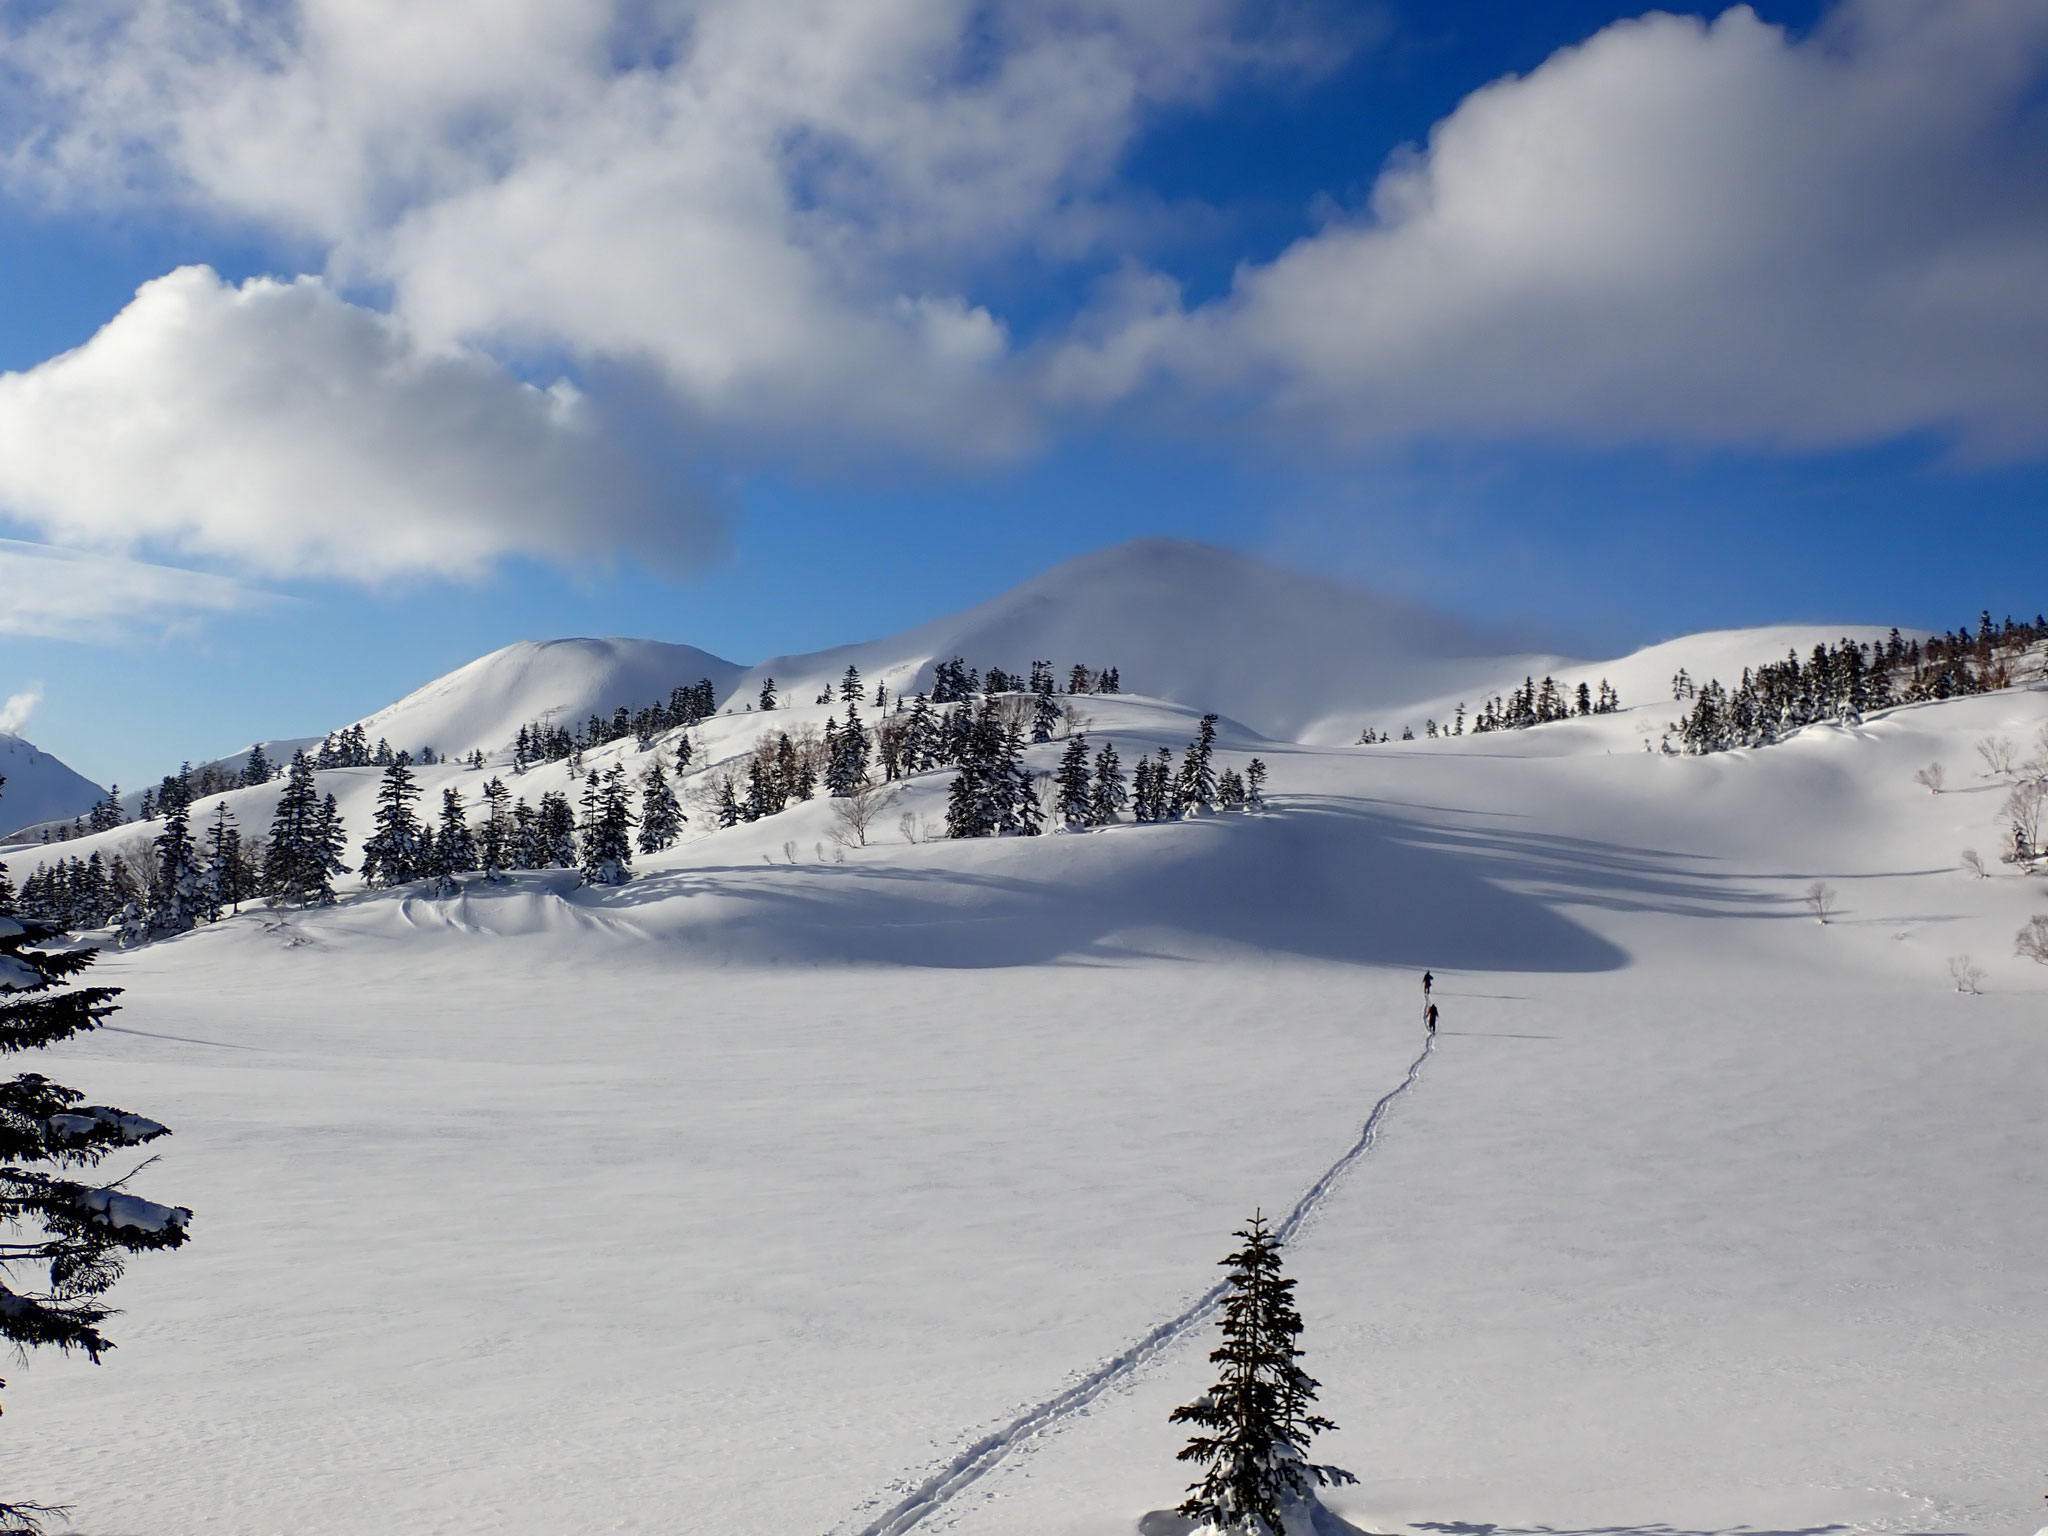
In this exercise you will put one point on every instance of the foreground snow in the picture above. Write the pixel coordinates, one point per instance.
(754, 1195)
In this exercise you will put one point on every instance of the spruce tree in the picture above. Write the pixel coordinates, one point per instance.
(557, 832)
(1075, 790)
(849, 686)
(393, 853)
(607, 830)
(1254, 1426)
(494, 849)
(292, 871)
(177, 900)
(1107, 799)
(1255, 786)
(454, 843)
(661, 818)
(223, 882)
(70, 1236)
(767, 693)
(1195, 788)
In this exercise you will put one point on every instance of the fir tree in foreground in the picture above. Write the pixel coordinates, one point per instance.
(69, 1234)
(1254, 1426)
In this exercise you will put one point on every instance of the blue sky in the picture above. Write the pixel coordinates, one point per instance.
(765, 328)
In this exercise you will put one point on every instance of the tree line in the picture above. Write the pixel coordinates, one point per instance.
(1845, 681)
(1530, 705)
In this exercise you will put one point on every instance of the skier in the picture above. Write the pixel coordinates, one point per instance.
(1429, 1018)
(1427, 978)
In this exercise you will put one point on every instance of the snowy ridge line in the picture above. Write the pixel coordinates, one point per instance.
(980, 1458)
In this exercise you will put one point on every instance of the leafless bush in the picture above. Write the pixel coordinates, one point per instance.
(2032, 940)
(1974, 863)
(2022, 812)
(1820, 896)
(930, 829)
(1997, 753)
(789, 850)
(907, 825)
(1966, 976)
(853, 814)
(1931, 776)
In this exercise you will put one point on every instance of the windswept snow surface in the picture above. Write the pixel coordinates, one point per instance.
(39, 787)
(752, 1195)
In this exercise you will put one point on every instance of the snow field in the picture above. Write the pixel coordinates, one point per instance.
(745, 1197)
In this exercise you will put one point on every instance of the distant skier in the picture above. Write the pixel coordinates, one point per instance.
(1427, 980)
(1429, 1018)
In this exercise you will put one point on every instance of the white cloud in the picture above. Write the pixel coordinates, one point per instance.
(62, 594)
(1679, 231)
(15, 712)
(87, 596)
(277, 427)
(779, 207)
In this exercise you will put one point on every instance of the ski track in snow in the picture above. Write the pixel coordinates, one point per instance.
(979, 1459)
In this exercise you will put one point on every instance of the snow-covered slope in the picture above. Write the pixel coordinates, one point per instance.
(783, 1181)
(39, 788)
(485, 703)
(1292, 655)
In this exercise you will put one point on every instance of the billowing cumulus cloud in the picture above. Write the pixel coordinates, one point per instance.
(796, 218)
(277, 427)
(1680, 231)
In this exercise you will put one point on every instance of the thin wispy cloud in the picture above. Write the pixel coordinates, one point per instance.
(64, 594)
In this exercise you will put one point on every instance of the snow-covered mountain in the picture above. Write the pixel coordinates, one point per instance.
(1294, 656)
(484, 703)
(40, 787)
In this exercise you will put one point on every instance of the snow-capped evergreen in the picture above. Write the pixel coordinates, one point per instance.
(395, 852)
(64, 1240)
(177, 899)
(661, 817)
(607, 830)
(1254, 1426)
(1076, 791)
(1194, 788)
(1107, 797)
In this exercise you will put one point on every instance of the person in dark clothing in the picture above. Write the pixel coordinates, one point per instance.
(1429, 1018)
(1427, 980)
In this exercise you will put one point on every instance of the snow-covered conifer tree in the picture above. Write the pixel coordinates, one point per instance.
(768, 693)
(607, 830)
(454, 843)
(258, 769)
(849, 686)
(1195, 788)
(223, 881)
(1107, 799)
(661, 817)
(70, 1236)
(1254, 1426)
(557, 832)
(177, 901)
(1230, 790)
(1075, 790)
(393, 853)
(494, 838)
(1255, 786)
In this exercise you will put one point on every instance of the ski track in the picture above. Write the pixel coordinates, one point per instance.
(979, 1459)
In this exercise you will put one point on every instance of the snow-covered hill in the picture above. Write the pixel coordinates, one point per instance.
(837, 1166)
(39, 787)
(482, 705)
(1296, 657)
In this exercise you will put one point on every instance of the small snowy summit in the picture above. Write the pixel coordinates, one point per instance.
(621, 1088)
(40, 788)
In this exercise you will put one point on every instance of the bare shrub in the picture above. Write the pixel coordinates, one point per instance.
(2032, 940)
(907, 825)
(789, 850)
(1997, 753)
(1820, 897)
(854, 813)
(1974, 863)
(2022, 813)
(1931, 776)
(1967, 977)
(930, 829)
